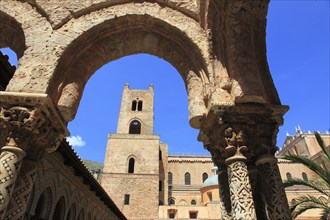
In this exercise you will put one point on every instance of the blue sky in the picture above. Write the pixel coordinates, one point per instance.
(298, 57)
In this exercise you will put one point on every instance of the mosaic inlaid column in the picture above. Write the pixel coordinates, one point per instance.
(21, 193)
(29, 128)
(238, 177)
(271, 185)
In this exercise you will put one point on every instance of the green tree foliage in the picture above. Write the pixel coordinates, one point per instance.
(321, 184)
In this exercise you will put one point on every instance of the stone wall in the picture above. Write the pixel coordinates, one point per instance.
(142, 185)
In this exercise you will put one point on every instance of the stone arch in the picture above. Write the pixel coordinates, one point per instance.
(126, 34)
(60, 209)
(71, 215)
(44, 205)
(11, 34)
(183, 202)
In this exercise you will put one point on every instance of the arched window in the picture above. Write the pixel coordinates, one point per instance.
(171, 201)
(43, 206)
(187, 179)
(160, 186)
(131, 164)
(140, 103)
(170, 178)
(59, 209)
(288, 176)
(193, 202)
(72, 212)
(304, 176)
(133, 105)
(135, 127)
(205, 176)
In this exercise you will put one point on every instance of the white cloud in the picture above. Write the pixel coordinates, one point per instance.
(76, 141)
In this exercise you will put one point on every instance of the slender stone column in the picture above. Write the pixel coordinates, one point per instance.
(21, 193)
(225, 203)
(270, 181)
(257, 198)
(240, 188)
(29, 127)
(11, 161)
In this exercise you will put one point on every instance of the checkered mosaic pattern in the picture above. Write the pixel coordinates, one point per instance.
(9, 168)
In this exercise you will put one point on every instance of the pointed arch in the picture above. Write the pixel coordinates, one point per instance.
(59, 210)
(204, 177)
(187, 180)
(44, 204)
(131, 165)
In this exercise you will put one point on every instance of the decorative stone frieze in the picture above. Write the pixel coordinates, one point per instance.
(30, 126)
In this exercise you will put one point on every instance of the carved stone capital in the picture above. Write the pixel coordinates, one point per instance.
(30, 122)
(227, 129)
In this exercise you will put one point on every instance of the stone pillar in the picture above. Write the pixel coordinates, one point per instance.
(225, 203)
(236, 137)
(30, 126)
(238, 176)
(270, 182)
(257, 199)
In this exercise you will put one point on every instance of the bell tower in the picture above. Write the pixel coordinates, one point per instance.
(136, 114)
(132, 165)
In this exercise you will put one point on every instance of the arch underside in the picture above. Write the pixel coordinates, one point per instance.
(112, 40)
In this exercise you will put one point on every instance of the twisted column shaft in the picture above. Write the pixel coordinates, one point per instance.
(272, 188)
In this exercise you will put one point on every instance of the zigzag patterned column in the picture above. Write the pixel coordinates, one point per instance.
(11, 161)
(21, 193)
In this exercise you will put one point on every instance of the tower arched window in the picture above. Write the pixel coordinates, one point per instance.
(133, 105)
(187, 181)
(205, 176)
(288, 176)
(135, 127)
(304, 176)
(160, 186)
(170, 178)
(140, 103)
(131, 164)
